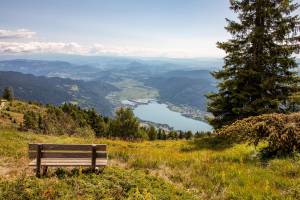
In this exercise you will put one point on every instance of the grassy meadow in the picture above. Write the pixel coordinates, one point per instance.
(131, 89)
(201, 169)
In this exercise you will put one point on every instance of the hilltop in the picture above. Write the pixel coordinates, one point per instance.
(203, 168)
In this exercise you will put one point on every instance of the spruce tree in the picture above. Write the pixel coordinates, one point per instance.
(188, 135)
(8, 94)
(259, 74)
(159, 134)
(163, 135)
(152, 133)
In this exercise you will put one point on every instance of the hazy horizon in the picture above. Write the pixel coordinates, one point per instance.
(155, 29)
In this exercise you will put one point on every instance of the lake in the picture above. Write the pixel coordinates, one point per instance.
(160, 113)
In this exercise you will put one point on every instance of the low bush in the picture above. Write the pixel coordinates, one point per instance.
(113, 183)
(281, 132)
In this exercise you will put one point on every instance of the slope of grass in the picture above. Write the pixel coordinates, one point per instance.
(12, 113)
(19, 182)
(201, 169)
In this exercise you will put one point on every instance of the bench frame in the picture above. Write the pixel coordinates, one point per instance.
(67, 151)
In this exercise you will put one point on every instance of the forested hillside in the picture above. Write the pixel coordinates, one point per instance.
(58, 90)
(184, 87)
(50, 68)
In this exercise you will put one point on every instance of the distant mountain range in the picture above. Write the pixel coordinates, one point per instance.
(184, 87)
(109, 62)
(59, 90)
(51, 69)
(91, 79)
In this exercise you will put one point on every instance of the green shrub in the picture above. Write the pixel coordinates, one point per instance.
(281, 132)
(31, 120)
(152, 133)
(125, 125)
(112, 183)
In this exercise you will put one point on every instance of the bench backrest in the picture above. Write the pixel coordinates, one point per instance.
(67, 151)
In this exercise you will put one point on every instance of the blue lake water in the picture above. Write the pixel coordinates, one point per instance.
(160, 113)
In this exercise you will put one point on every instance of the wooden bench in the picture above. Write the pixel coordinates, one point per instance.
(67, 155)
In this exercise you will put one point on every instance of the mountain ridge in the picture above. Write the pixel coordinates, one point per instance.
(57, 90)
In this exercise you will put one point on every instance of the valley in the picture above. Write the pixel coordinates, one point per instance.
(130, 89)
(106, 83)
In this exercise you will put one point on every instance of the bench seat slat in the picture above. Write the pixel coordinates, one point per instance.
(63, 162)
(33, 154)
(48, 160)
(68, 147)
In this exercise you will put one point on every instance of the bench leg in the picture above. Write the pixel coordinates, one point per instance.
(38, 160)
(45, 169)
(38, 172)
(94, 158)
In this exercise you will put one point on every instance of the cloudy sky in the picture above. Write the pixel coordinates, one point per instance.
(150, 28)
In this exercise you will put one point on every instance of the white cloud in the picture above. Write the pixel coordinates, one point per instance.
(17, 34)
(13, 42)
(96, 49)
(141, 51)
(41, 47)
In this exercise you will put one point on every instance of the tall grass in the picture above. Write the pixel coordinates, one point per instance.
(204, 168)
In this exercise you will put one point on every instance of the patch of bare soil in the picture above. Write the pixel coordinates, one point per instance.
(10, 168)
(4, 170)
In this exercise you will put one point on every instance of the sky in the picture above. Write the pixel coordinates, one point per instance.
(145, 28)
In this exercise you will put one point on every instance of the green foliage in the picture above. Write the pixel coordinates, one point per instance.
(8, 94)
(201, 134)
(188, 135)
(98, 123)
(135, 194)
(143, 134)
(161, 134)
(125, 125)
(173, 135)
(258, 75)
(78, 115)
(113, 183)
(280, 132)
(32, 121)
(55, 121)
(181, 135)
(152, 134)
(68, 119)
(185, 135)
(87, 118)
(294, 102)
